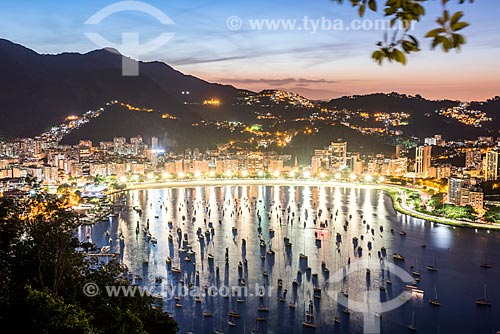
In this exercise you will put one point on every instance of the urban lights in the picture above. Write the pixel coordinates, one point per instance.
(354, 177)
(307, 174)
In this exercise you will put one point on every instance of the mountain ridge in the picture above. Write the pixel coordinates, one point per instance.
(41, 90)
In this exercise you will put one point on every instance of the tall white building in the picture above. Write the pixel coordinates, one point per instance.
(423, 161)
(491, 166)
(154, 143)
(338, 155)
(472, 158)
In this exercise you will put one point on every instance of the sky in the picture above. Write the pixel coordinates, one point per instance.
(317, 50)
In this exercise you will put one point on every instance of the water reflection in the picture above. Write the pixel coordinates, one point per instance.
(263, 231)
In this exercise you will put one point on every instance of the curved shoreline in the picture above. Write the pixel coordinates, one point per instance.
(388, 189)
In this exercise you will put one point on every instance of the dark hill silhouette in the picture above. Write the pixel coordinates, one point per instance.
(39, 91)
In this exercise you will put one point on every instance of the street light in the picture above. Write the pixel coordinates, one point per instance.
(260, 173)
(354, 177)
(307, 174)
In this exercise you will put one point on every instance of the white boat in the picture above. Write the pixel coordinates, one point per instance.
(435, 301)
(432, 267)
(416, 272)
(486, 264)
(483, 301)
(398, 257)
(412, 326)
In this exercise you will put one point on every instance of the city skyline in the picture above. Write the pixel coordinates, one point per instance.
(319, 65)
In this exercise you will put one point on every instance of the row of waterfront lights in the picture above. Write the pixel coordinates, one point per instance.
(150, 177)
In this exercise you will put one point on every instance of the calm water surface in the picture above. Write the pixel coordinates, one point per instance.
(313, 219)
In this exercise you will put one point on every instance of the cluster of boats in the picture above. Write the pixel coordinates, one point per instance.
(278, 219)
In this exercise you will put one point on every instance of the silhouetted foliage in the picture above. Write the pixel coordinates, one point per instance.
(403, 15)
(44, 270)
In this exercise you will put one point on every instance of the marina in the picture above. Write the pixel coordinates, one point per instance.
(281, 245)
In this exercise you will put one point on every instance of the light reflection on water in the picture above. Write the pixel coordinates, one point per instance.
(457, 253)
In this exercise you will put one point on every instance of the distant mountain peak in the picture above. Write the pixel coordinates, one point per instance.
(106, 50)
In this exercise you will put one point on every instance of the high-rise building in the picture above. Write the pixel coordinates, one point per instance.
(136, 140)
(154, 143)
(397, 167)
(460, 192)
(455, 186)
(315, 165)
(476, 198)
(119, 145)
(321, 161)
(275, 166)
(254, 162)
(491, 166)
(472, 158)
(430, 141)
(422, 161)
(338, 155)
(84, 153)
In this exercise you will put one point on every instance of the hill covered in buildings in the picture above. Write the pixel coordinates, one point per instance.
(420, 117)
(41, 91)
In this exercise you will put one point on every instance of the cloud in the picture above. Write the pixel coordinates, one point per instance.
(314, 54)
(201, 60)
